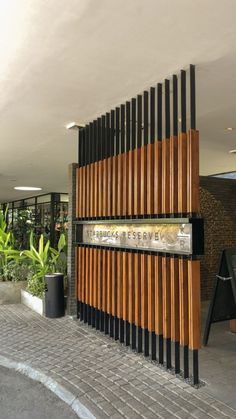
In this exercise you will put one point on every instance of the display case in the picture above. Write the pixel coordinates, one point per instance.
(44, 214)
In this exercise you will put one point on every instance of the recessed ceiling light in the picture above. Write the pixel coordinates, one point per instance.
(74, 125)
(179, 119)
(232, 151)
(27, 188)
(229, 129)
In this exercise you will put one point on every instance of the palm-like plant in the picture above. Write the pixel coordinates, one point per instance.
(7, 251)
(44, 261)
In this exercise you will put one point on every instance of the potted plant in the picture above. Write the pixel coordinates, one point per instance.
(13, 269)
(43, 260)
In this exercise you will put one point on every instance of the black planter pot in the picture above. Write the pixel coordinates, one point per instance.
(54, 295)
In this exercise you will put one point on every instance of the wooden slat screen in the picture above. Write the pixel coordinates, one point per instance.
(128, 169)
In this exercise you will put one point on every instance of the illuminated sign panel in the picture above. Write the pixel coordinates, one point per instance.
(154, 235)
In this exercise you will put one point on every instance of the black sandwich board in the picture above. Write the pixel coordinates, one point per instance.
(223, 303)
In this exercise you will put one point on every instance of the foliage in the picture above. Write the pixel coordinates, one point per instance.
(43, 260)
(22, 228)
(16, 270)
(7, 251)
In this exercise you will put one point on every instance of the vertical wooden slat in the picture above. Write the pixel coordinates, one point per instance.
(78, 264)
(166, 297)
(144, 292)
(174, 278)
(95, 278)
(114, 284)
(109, 280)
(173, 174)
(183, 301)
(136, 180)
(151, 292)
(150, 179)
(131, 288)
(99, 278)
(91, 276)
(119, 284)
(194, 304)
(158, 296)
(83, 299)
(104, 280)
(119, 184)
(137, 285)
(143, 180)
(182, 173)
(87, 273)
(125, 286)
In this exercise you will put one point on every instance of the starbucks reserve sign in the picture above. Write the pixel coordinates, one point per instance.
(168, 236)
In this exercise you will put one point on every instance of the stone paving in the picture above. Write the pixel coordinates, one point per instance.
(104, 376)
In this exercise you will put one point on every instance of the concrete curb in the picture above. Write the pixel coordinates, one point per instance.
(60, 391)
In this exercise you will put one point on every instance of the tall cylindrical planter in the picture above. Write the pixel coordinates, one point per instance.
(54, 295)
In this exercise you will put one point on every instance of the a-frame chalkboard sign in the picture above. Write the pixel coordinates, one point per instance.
(223, 303)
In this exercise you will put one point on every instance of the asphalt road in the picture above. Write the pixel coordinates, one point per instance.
(23, 398)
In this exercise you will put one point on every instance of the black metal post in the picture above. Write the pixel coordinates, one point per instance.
(140, 339)
(161, 350)
(186, 361)
(133, 336)
(192, 98)
(153, 346)
(177, 358)
(127, 333)
(122, 331)
(146, 342)
(195, 367)
(168, 353)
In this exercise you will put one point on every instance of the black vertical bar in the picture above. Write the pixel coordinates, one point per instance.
(127, 333)
(90, 142)
(195, 367)
(139, 122)
(159, 111)
(133, 336)
(95, 140)
(146, 342)
(116, 327)
(106, 323)
(99, 142)
(85, 313)
(103, 138)
(152, 115)
(145, 117)
(80, 145)
(177, 358)
(111, 323)
(167, 108)
(140, 339)
(81, 312)
(122, 331)
(153, 346)
(108, 132)
(183, 101)
(161, 350)
(175, 105)
(112, 132)
(117, 147)
(97, 322)
(168, 353)
(133, 123)
(192, 97)
(186, 361)
(102, 321)
(122, 126)
(127, 146)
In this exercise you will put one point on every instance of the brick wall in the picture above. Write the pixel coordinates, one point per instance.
(218, 208)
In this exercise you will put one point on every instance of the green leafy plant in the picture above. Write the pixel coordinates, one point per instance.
(16, 270)
(43, 260)
(7, 251)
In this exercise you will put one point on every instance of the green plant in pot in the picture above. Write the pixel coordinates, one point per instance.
(44, 260)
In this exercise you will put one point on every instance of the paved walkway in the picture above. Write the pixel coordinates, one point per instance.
(90, 371)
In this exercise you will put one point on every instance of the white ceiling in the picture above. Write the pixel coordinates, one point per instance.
(71, 60)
